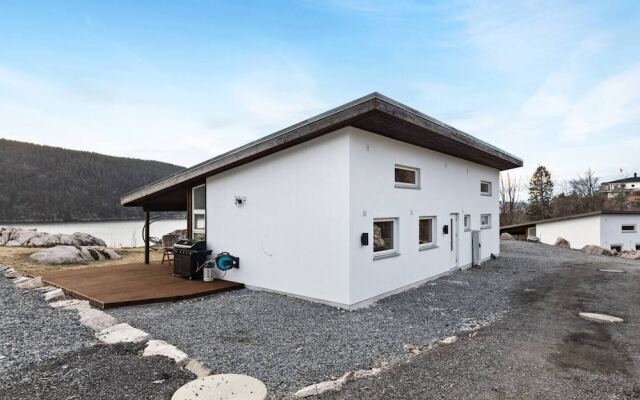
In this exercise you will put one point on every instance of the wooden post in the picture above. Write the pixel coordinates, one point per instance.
(146, 237)
(189, 214)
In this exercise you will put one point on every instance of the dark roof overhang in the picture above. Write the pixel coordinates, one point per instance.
(375, 113)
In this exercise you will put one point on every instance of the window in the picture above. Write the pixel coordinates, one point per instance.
(385, 237)
(407, 177)
(628, 228)
(485, 188)
(467, 222)
(637, 246)
(485, 221)
(426, 232)
(199, 213)
(616, 247)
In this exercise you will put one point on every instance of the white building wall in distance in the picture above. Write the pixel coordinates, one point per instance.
(614, 235)
(579, 231)
(291, 234)
(447, 185)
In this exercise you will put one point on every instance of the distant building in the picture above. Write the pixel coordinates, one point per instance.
(624, 187)
(619, 230)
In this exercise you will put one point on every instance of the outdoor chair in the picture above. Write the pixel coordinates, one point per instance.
(167, 247)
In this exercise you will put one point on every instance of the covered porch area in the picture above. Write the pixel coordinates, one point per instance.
(131, 284)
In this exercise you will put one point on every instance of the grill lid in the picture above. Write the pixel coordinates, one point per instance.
(190, 244)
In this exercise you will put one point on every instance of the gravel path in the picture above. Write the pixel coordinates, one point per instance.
(290, 343)
(46, 354)
(542, 349)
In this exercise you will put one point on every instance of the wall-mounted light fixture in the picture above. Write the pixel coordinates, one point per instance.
(240, 200)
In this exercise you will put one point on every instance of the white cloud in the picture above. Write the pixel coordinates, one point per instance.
(609, 104)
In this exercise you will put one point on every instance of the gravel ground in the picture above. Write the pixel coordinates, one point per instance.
(541, 349)
(290, 343)
(46, 354)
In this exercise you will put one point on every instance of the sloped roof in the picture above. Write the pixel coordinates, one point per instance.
(625, 180)
(374, 112)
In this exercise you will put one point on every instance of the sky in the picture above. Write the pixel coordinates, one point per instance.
(555, 83)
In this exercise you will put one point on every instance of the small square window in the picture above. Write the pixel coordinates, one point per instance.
(407, 177)
(628, 228)
(637, 246)
(616, 247)
(426, 232)
(385, 237)
(467, 222)
(485, 221)
(485, 188)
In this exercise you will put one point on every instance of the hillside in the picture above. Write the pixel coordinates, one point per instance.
(43, 183)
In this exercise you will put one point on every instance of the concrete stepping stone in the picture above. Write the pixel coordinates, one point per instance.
(602, 318)
(19, 280)
(96, 319)
(162, 348)
(46, 289)
(71, 304)
(617, 271)
(122, 333)
(54, 295)
(222, 387)
(11, 273)
(30, 283)
(196, 368)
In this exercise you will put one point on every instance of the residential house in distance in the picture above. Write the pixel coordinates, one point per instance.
(619, 230)
(622, 187)
(360, 202)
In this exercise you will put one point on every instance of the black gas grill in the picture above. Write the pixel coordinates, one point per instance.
(188, 255)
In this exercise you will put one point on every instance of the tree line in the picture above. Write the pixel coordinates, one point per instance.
(43, 183)
(547, 200)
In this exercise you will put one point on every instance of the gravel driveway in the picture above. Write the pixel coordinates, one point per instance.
(46, 354)
(290, 343)
(541, 350)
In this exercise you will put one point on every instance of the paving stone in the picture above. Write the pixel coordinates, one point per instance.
(602, 318)
(54, 295)
(222, 387)
(162, 348)
(122, 333)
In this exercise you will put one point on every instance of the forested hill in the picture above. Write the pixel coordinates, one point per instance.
(43, 183)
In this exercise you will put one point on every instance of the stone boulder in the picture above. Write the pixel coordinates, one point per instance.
(562, 242)
(506, 236)
(597, 250)
(631, 255)
(17, 237)
(533, 239)
(74, 254)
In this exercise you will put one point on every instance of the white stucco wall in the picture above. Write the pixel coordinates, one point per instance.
(299, 231)
(292, 233)
(579, 231)
(612, 231)
(448, 185)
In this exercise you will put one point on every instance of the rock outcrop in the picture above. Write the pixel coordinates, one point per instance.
(16, 237)
(593, 249)
(506, 236)
(631, 255)
(74, 254)
(562, 242)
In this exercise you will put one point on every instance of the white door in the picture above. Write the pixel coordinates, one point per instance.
(453, 241)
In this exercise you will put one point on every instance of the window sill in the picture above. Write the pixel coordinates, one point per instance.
(385, 255)
(406, 186)
(427, 247)
(628, 231)
(486, 227)
(467, 229)
(485, 194)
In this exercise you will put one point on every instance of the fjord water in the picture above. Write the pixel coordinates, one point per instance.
(115, 233)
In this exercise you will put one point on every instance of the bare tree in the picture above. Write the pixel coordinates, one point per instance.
(586, 189)
(509, 198)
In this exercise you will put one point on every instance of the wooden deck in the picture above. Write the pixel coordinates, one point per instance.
(129, 284)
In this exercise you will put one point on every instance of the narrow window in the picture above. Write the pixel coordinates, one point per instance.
(426, 232)
(485, 221)
(407, 177)
(628, 228)
(485, 188)
(199, 213)
(385, 237)
(467, 222)
(637, 246)
(616, 247)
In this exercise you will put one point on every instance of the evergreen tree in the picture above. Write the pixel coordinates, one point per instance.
(540, 194)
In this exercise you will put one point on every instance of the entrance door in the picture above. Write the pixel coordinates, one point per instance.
(453, 241)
